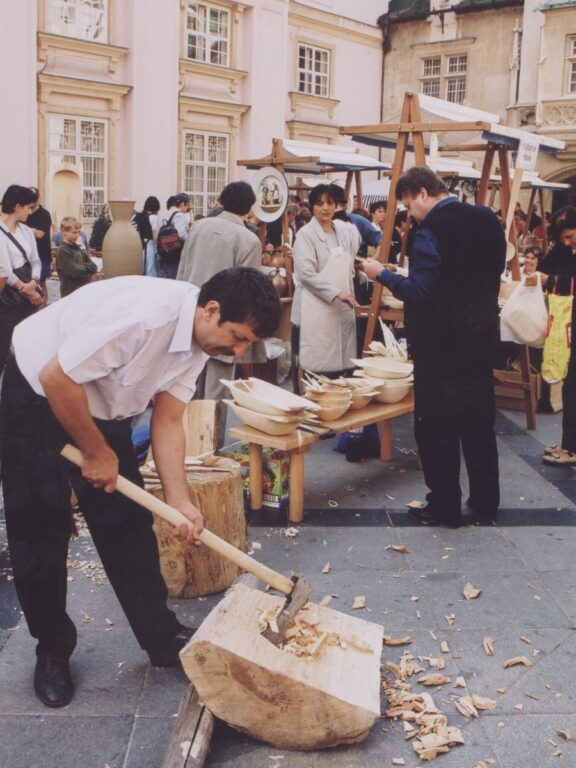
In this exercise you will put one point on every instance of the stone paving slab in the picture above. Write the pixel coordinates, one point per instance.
(563, 587)
(551, 548)
(64, 742)
(148, 742)
(522, 740)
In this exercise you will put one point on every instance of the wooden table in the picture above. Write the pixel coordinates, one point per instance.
(298, 443)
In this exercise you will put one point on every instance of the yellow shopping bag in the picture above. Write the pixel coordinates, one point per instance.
(558, 338)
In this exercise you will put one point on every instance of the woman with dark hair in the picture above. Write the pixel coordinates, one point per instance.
(146, 222)
(532, 256)
(21, 264)
(323, 319)
(559, 268)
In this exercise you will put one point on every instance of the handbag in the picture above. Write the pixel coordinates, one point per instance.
(524, 318)
(557, 346)
(10, 296)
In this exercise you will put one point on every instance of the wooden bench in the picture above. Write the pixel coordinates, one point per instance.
(298, 443)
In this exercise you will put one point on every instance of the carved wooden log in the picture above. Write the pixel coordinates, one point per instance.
(197, 571)
(328, 698)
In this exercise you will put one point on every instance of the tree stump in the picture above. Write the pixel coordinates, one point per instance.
(328, 698)
(198, 571)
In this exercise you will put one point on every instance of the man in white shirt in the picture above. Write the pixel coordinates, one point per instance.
(178, 214)
(82, 369)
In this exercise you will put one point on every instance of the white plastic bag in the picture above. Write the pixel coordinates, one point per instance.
(524, 318)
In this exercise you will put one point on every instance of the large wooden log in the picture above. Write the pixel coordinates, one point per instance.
(329, 698)
(197, 571)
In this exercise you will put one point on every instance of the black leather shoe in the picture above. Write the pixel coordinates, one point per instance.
(426, 516)
(169, 655)
(53, 681)
(482, 516)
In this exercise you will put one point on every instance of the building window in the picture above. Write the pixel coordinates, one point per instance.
(83, 143)
(313, 70)
(208, 34)
(205, 171)
(84, 19)
(571, 64)
(445, 75)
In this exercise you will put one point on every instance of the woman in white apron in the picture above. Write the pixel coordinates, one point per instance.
(323, 319)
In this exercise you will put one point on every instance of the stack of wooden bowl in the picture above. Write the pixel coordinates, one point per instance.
(267, 407)
(391, 378)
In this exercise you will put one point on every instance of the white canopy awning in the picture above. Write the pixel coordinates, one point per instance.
(434, 110)
(531, 178)
(331, 157)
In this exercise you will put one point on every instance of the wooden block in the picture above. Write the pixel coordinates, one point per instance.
(196, 571)
(202, 420)
(290, 702)
(190, 738)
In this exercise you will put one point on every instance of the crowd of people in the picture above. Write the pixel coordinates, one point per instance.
(84, 366)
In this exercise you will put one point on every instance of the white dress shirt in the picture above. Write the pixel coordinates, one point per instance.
(124, 339)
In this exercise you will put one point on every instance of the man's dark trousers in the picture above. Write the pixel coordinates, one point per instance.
(454, 406)
(38, 524)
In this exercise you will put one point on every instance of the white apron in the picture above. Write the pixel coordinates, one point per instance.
(328, 330)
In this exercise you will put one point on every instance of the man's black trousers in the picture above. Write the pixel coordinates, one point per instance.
(454, 407)
(38, 523)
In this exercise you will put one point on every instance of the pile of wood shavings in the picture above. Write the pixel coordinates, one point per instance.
(306, 637)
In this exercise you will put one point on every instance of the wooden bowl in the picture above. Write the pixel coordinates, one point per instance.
(385, 367)
(266, 398)
(392, 392)
(360, 399)
(332, 412)
(271, 425)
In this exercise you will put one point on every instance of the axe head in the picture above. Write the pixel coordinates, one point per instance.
(295, 601)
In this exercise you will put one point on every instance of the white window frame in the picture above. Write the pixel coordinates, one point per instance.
(76, 18)
(210, 38)
(75, 156)
(571, 64)
(448, 79)
(310, 81)
(206, 196)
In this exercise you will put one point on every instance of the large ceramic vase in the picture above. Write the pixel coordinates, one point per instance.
(122, 248)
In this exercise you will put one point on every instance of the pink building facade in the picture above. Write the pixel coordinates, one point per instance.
(121, 99)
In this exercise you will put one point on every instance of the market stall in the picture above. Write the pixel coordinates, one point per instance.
(428, 126)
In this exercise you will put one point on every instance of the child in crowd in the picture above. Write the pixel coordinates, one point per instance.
(75, 268)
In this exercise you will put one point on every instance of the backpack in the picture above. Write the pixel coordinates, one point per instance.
(168, 243)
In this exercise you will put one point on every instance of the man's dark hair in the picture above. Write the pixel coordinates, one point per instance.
(171, 201)
(245, 295)
(237, 197)
(377, 204)
(36, 193)
(417, 178)
(400, 218)
(180, 198)
(321, 189)
(17, 195)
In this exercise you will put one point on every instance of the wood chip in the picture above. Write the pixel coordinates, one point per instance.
(434, 678)
(483, 703)
(519, 707)
(444, 647)
(470, 592)
(359, 602)
(415, 504)
(531, 696)
(391, 641)
(565, 734)
(459, 682)
(488, 644)
(525, 640)
(399, 548)
(450, 618)
(327, 568)
(398, 761)
(517, 660)
(466, 707)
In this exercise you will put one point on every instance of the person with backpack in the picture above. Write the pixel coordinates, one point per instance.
(146, 223)
(173, 227)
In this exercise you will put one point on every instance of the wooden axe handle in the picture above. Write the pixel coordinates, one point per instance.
(174, 517)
